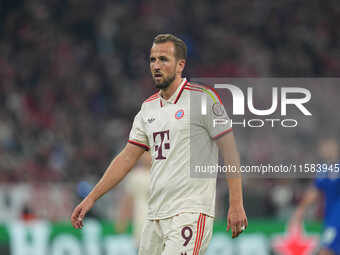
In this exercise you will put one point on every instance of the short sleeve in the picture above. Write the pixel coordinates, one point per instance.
(137, 134)
(216, 120)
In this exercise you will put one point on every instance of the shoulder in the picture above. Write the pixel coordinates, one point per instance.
(203, 89)
(150, 101)
(151, 98)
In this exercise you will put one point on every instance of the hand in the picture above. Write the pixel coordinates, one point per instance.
(237, 220)
(80, 211)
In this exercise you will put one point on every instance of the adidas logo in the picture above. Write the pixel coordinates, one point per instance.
(150, 120)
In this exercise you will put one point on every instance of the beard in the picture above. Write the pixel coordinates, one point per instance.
(165, 83)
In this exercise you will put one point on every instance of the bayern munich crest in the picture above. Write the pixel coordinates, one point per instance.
(179, 114)
(218, 109)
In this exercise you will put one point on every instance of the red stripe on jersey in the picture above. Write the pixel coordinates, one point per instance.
(208, 88)
(156, 94)
(222, 133)
(139, 144)
(153, 96)
(218, 96)
(193, 89)
(197, 232)
(161, 102)
(201, 236)
(180, 92)
(196, 86)
(152, 99)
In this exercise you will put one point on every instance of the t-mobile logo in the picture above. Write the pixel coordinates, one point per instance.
(159, 147)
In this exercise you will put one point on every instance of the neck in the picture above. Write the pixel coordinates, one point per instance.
(170, 90)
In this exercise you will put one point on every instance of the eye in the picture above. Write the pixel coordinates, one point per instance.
(162, 58)
(152, 59)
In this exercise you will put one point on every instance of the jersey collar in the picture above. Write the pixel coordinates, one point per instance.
(175, 97)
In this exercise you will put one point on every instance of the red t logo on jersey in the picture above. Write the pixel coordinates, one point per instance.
(159, 148)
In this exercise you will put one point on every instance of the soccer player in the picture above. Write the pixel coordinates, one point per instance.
(328, 187)
(181, 208)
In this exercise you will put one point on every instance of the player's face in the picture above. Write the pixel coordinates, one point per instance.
(163, 64)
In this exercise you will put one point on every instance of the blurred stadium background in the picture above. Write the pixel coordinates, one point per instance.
(74, 73)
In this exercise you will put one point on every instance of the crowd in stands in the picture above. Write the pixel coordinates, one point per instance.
(74, 73)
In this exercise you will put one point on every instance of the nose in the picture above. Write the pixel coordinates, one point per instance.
(156, 65)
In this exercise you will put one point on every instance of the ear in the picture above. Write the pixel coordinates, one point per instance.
(180, 65)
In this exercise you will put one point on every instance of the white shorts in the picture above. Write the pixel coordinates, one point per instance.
(183, 234)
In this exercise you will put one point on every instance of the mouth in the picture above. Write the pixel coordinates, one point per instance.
(158, 75)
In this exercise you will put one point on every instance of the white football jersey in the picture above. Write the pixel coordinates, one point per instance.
(177, 136)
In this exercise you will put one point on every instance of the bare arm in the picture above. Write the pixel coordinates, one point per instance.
(116, 171)
(236, 214)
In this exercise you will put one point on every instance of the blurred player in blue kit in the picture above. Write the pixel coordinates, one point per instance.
(327, 186)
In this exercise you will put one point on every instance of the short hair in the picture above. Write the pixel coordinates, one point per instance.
(180, 46)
